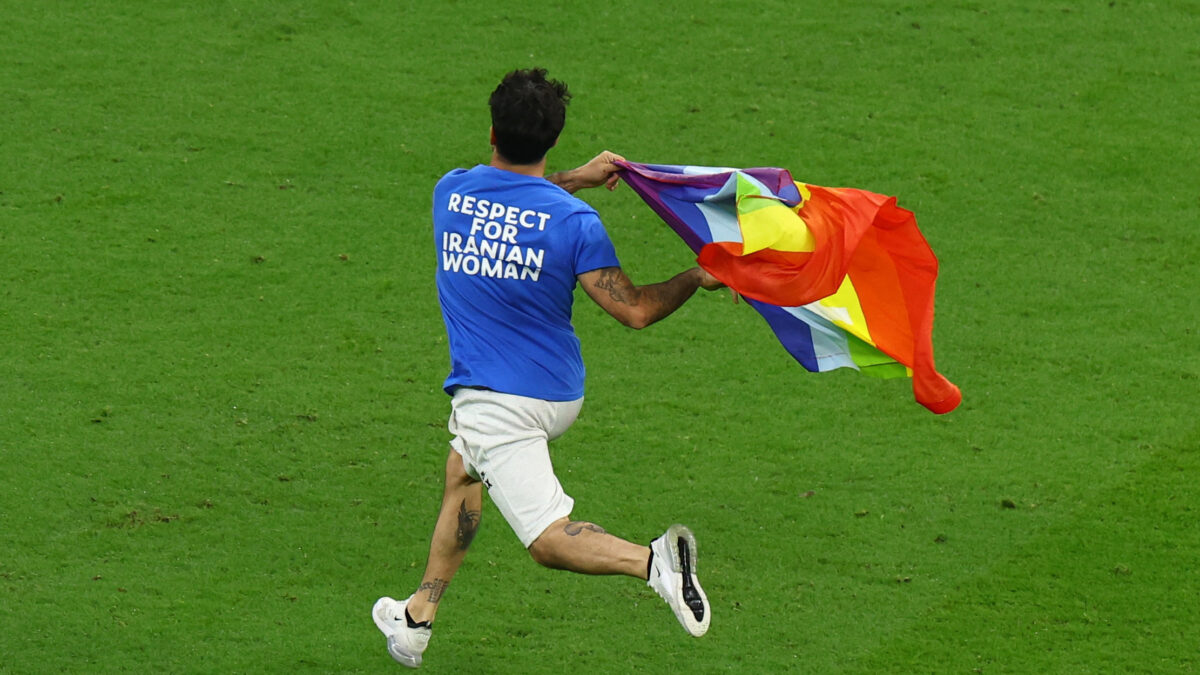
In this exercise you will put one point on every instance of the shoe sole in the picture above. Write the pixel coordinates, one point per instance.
(683, 561)
(402, 657)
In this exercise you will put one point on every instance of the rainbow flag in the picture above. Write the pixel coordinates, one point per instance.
(843, 276)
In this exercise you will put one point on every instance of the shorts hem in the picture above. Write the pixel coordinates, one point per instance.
(544, 524)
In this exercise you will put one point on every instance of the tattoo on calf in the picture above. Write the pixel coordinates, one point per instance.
(435, 588)
(573, 528)
(468, 524)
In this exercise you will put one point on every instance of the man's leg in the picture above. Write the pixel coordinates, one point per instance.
(584, 547)
(452, 535)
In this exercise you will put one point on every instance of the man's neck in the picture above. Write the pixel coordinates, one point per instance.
(538, 170)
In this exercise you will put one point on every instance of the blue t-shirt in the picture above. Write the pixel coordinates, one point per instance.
(509, 248)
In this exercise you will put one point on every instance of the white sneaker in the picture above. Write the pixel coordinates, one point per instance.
(673, 576)
(403, 643)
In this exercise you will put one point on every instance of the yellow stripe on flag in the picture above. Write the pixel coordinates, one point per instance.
(767, 222)
(845, 311)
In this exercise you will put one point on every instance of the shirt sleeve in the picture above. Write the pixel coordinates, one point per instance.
(593, 249)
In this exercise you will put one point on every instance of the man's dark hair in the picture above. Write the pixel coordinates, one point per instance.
(528, 113)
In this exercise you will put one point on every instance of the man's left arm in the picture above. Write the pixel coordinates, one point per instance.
(640, 306)
(600, 170)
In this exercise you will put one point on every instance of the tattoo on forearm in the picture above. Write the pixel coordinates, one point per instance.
(611, 280)
(468, 524)
(573, 528)
(665, 297)
(435, 588)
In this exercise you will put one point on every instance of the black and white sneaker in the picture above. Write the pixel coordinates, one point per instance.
(673, 576)
(404, 643)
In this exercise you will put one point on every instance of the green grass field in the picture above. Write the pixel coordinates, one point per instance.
(221, 423)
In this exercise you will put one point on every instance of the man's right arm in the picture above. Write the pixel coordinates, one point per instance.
(640, 306)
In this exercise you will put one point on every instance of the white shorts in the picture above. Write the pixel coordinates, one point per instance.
(503, 440)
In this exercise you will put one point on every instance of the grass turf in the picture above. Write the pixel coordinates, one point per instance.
(222, 425)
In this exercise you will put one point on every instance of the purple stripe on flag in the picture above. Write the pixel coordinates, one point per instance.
(681, 214)
(778, 181)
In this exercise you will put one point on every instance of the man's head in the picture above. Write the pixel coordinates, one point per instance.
(528, 113)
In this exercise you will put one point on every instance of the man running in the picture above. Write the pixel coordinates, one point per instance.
(512, 245)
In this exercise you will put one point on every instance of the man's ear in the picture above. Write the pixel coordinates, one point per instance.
(492, 135)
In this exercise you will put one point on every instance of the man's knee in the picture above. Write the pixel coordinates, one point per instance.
(545, 550)
(456, 471)
(542, 555)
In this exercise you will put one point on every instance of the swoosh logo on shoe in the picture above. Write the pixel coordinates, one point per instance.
(691, 597)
